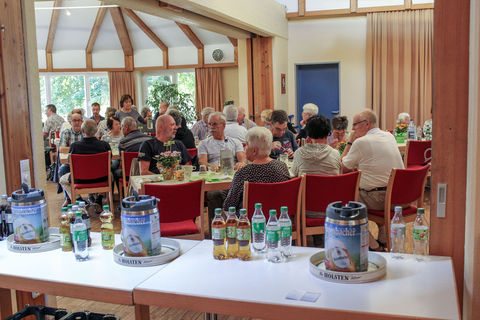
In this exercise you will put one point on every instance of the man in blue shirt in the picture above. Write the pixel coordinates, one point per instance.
(283, 139)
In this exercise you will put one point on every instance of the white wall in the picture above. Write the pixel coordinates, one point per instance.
(280, 65)
(331, 40)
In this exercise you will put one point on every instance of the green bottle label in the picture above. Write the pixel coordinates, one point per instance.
(66, 240)
(286, 232)
(273, 235)
(80, 235)
(108, 237)
(420, 234)
(232, 232)
(258, 227)
(218, 233)
(244, 234)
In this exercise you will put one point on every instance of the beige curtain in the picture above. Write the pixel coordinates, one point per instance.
(121, 82)
(208, 88)
(399, 65)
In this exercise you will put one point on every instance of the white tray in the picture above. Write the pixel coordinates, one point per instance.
(170, 250)
(52, 244)
(377, 268)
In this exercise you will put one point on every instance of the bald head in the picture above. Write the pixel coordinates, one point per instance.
(165, 128)
(370, 115)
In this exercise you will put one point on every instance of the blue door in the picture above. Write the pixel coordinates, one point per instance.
(318, 84)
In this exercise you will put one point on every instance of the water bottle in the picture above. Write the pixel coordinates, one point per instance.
(80, 238)
(285, 232)
(273, 238)
(258, 228)
(397, 232)
(412, 131)
(86, 219)
(420, 234)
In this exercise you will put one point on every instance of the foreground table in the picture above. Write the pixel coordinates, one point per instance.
(58, 273)
(195, 281)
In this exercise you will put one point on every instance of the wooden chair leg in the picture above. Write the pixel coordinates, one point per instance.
(112, 209)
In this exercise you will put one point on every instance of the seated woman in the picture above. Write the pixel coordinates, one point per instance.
(114, 134)
(261, 169)
(339, 131)
(266, 117)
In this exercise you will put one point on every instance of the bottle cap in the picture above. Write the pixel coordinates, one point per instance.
(77, 202)
(78, 214)
(64, 209)
(106, 207)
(4, 197)
(398, 209)
(258, 206)
(421, 211)
(243, 211)
(75, 209)
(69, 206)
(283, 209)
(218, 210)
(81, 203)
(273, 212)
(232, 209)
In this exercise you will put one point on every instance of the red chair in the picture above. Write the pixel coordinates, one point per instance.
(274, 196)
(319, 192)
(193, 152)
(126, 161)
(418, 154)
(405, 186)
(179, 206)
(90, 173)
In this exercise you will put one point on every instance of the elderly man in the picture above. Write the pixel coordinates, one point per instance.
(309, 110)
(165, 131)
(88, 145)
(283, 139)
(200, 128)
(96, 113)
(244, 122)
(132, 138)
(233, 129)
(209, 149)
(375, 152)
(54, 121)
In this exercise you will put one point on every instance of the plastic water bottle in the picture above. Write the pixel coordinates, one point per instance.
(258, 228)
(86, 219)
(273, 238)
(412, 131)
(397, 232)
(285, 232)
(80, 238)
(420, 234)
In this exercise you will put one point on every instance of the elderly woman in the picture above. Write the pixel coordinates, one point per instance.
(126, 110)
(262, 168)
(114, 134)
(102, 125)
(183, 133)
(309, 110)
(403, 118)
(200, 128)
(266, 117)
(339, 131)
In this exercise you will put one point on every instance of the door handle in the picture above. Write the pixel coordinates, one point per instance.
(336, 112)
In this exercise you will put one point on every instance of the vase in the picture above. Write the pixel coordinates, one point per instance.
(168, 173)
(400, 137)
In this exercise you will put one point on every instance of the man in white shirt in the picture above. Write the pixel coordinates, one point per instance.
(233, 129)
(376, 153)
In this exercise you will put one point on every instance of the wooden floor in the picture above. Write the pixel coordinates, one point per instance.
(55, 201)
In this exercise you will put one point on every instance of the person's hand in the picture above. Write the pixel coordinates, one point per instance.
(239, 165)
(303, 122)
(290, 153)
(213, 167)
(276, 145)
(334, 143)
(353, 137)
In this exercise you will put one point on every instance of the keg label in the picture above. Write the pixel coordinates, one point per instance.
(141, 235)
(30, 223)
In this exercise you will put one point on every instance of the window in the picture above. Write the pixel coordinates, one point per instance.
(69, 91)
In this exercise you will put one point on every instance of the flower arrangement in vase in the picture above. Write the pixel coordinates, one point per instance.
(167, 161)
(400, 132)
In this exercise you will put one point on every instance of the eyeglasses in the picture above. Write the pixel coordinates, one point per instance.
(280, 129)
(77, 120)
(213, 124)
(357, 123)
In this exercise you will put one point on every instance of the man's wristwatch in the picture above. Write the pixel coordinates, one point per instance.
(349, 143)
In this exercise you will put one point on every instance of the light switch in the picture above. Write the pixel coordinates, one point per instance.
(441, 199)
(25, 172)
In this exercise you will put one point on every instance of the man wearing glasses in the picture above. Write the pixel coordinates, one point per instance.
(283, 139)
(376, 153)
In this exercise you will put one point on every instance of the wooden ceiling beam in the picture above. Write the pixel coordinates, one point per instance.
(52, 29)
(233, 41)
(139, 22)
(190, 35)
(93, 35)
(122, 31)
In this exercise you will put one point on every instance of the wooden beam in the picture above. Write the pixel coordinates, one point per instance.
(93, 36)
(49, 61)
(301, 8)
(233, 41)
(201, 57)
(190, 35)
(407, 4)
(122, 31)
(153, 7)
(139, 22)
(52, 29)
(353, 5)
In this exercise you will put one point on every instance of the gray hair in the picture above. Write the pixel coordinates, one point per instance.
(129, 122)
(176, 115)
(220, 114)
(403, 117)
(261, 138)
(370, 115)
(310, 108)
(231, 113)
(89, 128)
(144, 112)
(206, 112)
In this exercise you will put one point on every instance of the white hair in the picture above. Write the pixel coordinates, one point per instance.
(206, 111)
(261, 138)
(310, 108)
(231, 112)
(218, 113)
(402, 117)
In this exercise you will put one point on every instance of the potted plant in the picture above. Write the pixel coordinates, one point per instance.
(168, 161)
(400, 132)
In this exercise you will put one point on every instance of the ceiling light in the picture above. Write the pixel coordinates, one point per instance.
(68, 12)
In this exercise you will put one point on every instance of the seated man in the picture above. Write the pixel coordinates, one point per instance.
(283, 139)
(376, 153)
(309, 110)
(165, 131)
(243, 120)
(54, 121)
(88, 145)
(132, 138)
(316, 156)
(96, 113)
(209, 149)
(339, 131)
(233, 129)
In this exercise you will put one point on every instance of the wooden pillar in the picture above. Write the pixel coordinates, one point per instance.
(14, 107)
(450, 123)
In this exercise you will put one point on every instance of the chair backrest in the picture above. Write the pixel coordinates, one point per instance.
(90, 168)
(418, 153)
(192, 152)
(321, 190)
(127, 158)
(406, 185)
(178, 202)
(273, 196)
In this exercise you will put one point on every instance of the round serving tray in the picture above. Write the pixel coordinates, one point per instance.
(377, 268)
(170, 250)
(52, 243)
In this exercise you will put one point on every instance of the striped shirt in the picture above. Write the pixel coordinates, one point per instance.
(200, 130)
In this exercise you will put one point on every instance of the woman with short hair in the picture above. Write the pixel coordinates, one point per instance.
(126, 110)
(261, 169)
